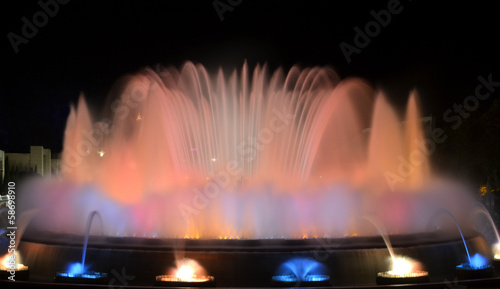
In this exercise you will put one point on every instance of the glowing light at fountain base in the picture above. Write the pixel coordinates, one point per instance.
(188, 273)
(301, 272)
(404, 271)
(17, 267)
(10, 267)
(477, 268)
(76, 274)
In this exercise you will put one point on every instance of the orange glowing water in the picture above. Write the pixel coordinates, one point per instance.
(187, 270)
(182, 153)
(11, 262)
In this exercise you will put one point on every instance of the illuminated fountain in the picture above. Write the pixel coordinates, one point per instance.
(249, 163)
(78, 272)
(213, 158)
(404, 269)
(476, 266)
(494, 238)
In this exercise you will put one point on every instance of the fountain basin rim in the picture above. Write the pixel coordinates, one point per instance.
(495, 281)
(261, 245)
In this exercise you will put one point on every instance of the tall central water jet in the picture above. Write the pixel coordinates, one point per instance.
(181, 153)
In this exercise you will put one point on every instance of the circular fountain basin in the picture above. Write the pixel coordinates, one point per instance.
(351, 261)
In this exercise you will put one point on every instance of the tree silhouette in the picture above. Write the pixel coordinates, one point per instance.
(471, 151)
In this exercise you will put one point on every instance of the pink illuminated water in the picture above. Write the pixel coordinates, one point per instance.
(183, 153)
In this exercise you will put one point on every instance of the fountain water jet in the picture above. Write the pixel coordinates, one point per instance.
(444, 211)
(87, 233)
(404, 270)
(477, 266)
(208, 152)
(495, 244)
(382, 231)
(77, 272)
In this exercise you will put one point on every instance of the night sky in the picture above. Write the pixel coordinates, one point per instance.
(85, 46)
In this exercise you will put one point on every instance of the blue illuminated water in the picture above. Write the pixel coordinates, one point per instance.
(75, 269)
(444, 211)
(78, 270)
(476, 262)
(87, 233)
(300, 270)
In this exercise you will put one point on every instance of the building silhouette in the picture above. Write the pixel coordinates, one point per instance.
(38, 160)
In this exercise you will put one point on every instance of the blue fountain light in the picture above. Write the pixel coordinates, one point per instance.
(301, 270)
(75, 269)
(476, 262)
(76, 273)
